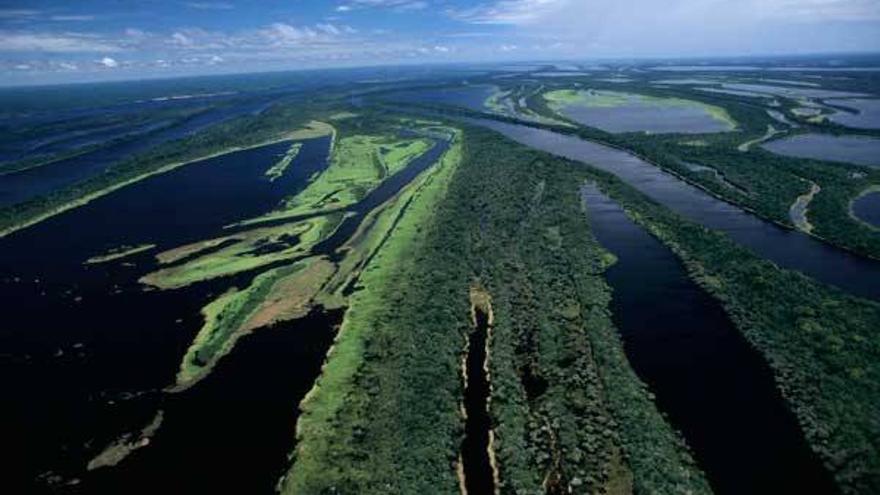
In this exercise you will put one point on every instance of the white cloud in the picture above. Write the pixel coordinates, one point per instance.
(135, 33)
(516, 12)
(108, 62)
(181, 39)
(53, 43)
(819, 10)
(328, 28)
(395, 5)
(71, 18)
(210, 5)
(588, 13)
(286, 33)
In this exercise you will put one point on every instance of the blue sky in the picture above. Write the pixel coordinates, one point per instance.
(58, 41)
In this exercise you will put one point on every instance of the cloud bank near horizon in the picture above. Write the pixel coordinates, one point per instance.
(53, 40)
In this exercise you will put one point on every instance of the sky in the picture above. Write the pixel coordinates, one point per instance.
(52, 41)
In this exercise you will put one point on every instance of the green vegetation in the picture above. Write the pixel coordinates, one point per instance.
(821, 343)
(359, 164)
(338, 393)
(799, 210)
(498, 101)
(276, 124)
(559, 99)
(276, 295)
(305, 279)
(759, 181)
(72, 129)
(771, 131)
(241, 252)
(117, 451)
(868, 190)
(563, 97)
(119, 253)
(567, 409)
(277, 170)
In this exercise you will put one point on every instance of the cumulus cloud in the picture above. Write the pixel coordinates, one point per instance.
(108, 62)
(514, 12)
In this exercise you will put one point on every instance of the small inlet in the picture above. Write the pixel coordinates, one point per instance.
(477, 463)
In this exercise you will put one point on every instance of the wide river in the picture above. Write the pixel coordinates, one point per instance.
(713, 386)
(788, 249)
(86, 351)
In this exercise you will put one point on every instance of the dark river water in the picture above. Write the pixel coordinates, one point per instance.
(786, 248)
(638, 116)
(232, 432)
(85, 349)
(472, 97)
(26, 184)
(476, 465)
(709, 382)
(867, 208)
(861, 150)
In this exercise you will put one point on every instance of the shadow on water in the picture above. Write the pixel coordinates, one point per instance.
(710, 383)
(231, 433)
(478, 476)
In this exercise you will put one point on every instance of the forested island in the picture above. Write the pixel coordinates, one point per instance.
(543, 280)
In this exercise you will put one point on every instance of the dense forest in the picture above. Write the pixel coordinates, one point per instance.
(568, 413)
(758, 180)
(820, 342)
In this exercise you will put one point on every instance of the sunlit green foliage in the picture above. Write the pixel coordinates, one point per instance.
(383, 417)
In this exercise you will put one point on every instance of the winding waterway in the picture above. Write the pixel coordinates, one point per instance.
(788, 249)
(710, 383)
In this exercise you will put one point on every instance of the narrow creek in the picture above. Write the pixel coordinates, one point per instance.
(710, 383)
(478, 472)
(789, 249)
